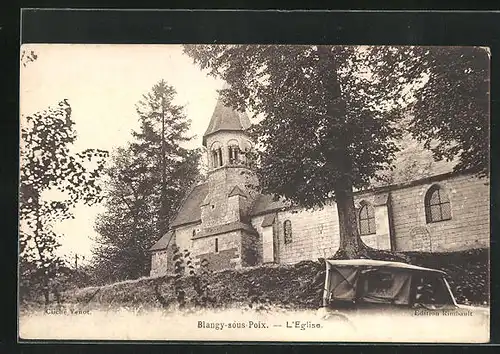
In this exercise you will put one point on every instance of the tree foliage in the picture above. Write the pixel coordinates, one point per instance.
(164, 129)
(146, 182)
(46, 166)
(329, 116)
(329, 112)
(451, 113)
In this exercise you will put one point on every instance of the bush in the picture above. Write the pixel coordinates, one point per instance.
(296, 286)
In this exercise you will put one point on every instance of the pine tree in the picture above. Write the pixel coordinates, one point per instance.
(164, 129)
(147, 180)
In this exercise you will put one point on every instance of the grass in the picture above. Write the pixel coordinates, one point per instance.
(146, 308)
(294, 287)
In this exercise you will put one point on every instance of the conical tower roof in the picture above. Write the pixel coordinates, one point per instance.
(226, 118)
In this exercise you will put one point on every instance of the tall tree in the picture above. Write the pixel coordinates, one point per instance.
(130, 224)
(164, 129)
(146, 182)
(329, 117)
(451, 113)
(46, 166)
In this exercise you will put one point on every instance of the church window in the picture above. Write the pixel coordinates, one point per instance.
(217, 160)
(287, 231)
(216, 245)
(437, 205)
(234, 151)
(219, 151)
(366, 220)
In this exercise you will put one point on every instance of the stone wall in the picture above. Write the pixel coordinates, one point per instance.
(229, 250)
(314, 234)
(218, 208)
(468, 227)
(160, 262)
(381, 203)
(257, 225)
(184, 236)
(400, 222)
(220, 260)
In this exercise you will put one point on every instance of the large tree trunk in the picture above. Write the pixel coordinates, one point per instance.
(350, 246)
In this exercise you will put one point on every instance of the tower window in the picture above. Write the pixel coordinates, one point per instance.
(437, 205)
(287, 231)
(234, 151)
(216, 151)
(216, 244)
(367, 220)
(220, 156)
(215, 159)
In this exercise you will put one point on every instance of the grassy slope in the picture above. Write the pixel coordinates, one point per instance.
(294, 286)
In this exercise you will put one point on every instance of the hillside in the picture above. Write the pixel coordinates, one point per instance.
(296, 286)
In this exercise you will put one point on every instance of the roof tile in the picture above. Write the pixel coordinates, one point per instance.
(163, 242)
(190, 211)
(226, 118)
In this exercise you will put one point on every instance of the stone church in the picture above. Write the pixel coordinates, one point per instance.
(228, 224)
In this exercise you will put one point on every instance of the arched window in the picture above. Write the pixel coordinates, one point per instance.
(216, 151)
(366, 220)
(221, 162)
(215, 158)
(287, 231)
(437, 205)
(234, 152)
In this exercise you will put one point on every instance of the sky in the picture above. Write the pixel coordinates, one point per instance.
(103, 83)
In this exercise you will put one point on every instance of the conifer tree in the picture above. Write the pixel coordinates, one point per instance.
(146, 181)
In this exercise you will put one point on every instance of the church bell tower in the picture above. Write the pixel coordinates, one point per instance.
(225, 220)
(226, 140)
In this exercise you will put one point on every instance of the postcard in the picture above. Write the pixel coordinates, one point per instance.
(276, 193)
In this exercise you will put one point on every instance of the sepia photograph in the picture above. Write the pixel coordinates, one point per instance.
(248, 192)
